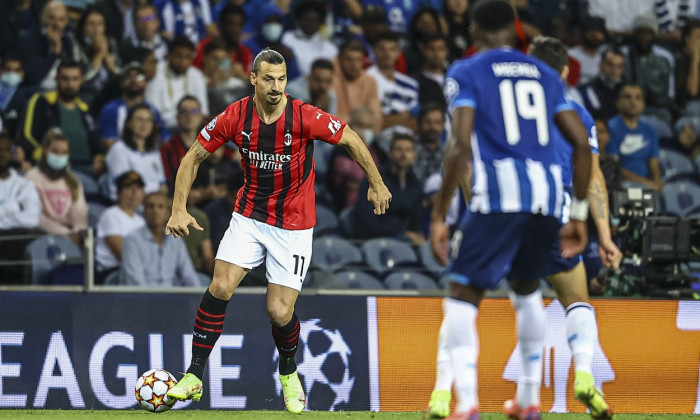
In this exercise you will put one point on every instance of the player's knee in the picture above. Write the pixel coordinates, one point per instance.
(279, 313)
(570, 297)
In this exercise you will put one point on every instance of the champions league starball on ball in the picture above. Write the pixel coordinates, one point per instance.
(151, 388)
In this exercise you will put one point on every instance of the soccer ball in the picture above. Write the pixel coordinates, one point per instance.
(323, 363)
(151, 388)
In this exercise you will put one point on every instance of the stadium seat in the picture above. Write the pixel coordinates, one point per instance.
(428, 260)
(660, 123)
(674, 163)
(90, 186)
(358, 280)
(409, 280)
(326, 221)
(95, 210)
(47, 253)
(331, 253)
(680, 198)
(113, 279)
(384, 254)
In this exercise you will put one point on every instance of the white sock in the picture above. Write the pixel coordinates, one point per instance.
(463, 347)
(445, 375)
(582, 334)
(531, 320)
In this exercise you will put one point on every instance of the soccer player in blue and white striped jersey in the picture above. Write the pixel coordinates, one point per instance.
(505, 107)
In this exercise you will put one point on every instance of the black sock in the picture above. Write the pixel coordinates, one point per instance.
(207, 329)
(287, 340)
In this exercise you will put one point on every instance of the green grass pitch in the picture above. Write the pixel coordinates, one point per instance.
(245, 415)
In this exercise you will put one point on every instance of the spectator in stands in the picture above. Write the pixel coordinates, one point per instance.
(152, 258)
(431, 75)
(425, 24)
(688, 67)
(213, 174)
(306, 42)
(610, 166)
(113, 114)
(175, 79)
(620, 14)
(222, 87)
(63, 206)
(651, 67)
(146, 35)
(18, 18)
(219, 210)
(398, 93)
(116, 222)
(429, 148)
(20, 211)
(139, 151)
(353, 85)
(118, 17)
(634, 142)
(198, 243)
(457, 18)
(344, 174)
(61, 108)
(98, 53)
(600, 95)
(672, 17)
(12, 95)
(688, 129)
(269, 35)
(588, 54)
(190, 18)
(398, 14)
(40, 50)
(316, 89)
(189, 122)
(240, 57)
(403, 219)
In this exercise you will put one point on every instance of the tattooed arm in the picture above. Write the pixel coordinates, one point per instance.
(600, 209)
(180, 218)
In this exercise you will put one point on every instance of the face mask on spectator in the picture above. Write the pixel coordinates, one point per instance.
(56, 162)
(272, 31)
(368, 136)
(11, 78)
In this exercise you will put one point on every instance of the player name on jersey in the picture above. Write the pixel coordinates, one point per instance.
(515, 69)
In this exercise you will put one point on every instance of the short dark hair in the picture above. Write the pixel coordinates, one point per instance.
(180, 41)
(11, 56)
(213, 45)
(188, 98)
(428, 108)
(69, 63)
(551, 51)
(138, 54)
(267, 56)
(612, 50)
(351, 45)
(231, 9)
(428, 38)
(633, 85)
(493, 15)
(310, 5)
(322, 63)
(390, 36)
(400, 137)
(141, 6)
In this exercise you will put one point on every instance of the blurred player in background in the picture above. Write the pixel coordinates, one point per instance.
(570, 280)
(504, 107)
(274, 214)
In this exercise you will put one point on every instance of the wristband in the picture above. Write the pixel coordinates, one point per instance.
(579, 209)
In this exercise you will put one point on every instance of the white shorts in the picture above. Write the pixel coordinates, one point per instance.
(247, 241)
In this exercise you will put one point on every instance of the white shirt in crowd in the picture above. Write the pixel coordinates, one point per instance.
(20, 206)
(167, 88)
(113, 222)
(120, 159)
(308, 49)
(191, 30)
(590, 65)
(619, 14)
(398, 95)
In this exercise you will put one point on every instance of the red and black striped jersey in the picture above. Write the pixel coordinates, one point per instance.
(277, 159)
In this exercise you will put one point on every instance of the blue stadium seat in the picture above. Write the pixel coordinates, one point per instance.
(326, 221)
(680, 198)
(409, 280)
(674, 163)
(48, 253)
(90, 186)
(358, 280)
(384, 254)
(331, 253)
(95, 210)
(428, 260)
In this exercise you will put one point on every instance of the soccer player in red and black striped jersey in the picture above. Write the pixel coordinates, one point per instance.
(274, 214)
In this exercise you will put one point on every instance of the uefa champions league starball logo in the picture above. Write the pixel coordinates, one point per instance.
(323, 363)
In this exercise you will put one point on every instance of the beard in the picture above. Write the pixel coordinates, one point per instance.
(592, 44)
(68, 95)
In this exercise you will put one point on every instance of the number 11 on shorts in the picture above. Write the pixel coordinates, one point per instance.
(299, 268)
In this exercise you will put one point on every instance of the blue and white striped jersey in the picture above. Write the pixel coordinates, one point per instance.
(516, 166)
(567, 150)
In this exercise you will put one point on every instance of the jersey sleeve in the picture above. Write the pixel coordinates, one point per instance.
(556, 96)
(324, 126)
(591, 129)
(459, 88)
(220, 129)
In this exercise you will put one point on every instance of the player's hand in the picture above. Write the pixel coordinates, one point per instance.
(380, 197)
(610, 254)
(574, 238)
(179, 222)
(439, 238)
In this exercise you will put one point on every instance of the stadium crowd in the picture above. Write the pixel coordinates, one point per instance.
(101, 99)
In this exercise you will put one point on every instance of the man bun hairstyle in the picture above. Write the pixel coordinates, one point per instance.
(493, 15)
(268, 56)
